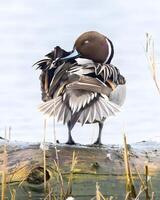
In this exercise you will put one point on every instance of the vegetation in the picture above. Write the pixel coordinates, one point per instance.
(150, 53)
(63, 190)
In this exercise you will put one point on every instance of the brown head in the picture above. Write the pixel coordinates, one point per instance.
(95, 46)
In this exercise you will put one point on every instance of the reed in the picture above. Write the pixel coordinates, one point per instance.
(130, 188)
(29, 195)
(3, 185)
(44, 155)
(73, 165)
(146, 182)
(150, 54)
(99, 195)
(64, 188)
(60, 180)
(66, 191)
(4, 168)
(13, 194)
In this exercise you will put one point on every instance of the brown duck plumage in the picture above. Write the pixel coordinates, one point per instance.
(85, 93)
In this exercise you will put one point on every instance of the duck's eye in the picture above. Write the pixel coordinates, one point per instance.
(86, 42)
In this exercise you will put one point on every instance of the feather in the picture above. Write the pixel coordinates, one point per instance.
(103, 107)
(50, 107)
(60, 113)
(93, 112)
(85, 116)
(67, 115)
(45, 60)
(99, 112)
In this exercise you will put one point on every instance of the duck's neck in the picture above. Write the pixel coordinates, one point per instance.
(83, 61)
(110, 52)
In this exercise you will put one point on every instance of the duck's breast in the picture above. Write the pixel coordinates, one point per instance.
(118, 95)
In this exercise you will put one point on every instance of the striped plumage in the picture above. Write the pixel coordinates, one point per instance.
(79, 90)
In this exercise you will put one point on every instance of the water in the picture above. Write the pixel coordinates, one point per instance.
(30, 29)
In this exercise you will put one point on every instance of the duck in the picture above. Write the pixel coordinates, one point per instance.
(81, 85)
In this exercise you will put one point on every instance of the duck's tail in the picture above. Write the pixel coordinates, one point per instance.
(97, 110)
(56, 108)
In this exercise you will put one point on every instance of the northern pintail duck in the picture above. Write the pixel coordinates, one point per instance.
(82, 87)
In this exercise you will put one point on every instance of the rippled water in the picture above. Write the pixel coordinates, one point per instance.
(30, 29)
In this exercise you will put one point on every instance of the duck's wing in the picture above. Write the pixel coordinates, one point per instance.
(86, 106)
(87, 83)
(89, 97)
(107, 71)
(81, 94)
(86, 98)
(104, 72)
(50, 65)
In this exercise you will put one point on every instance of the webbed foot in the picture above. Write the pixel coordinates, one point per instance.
(71, 142)
(97, 143)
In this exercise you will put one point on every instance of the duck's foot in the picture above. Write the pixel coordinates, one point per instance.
(97, 143)
(71, 142)
(57, 142)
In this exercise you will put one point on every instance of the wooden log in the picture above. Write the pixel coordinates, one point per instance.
(105, 165)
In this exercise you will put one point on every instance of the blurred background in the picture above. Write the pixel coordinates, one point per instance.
(30, 29)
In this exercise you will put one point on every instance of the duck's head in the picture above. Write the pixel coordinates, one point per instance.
(95, 46)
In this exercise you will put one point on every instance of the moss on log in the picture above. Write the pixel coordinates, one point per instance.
(104, 165)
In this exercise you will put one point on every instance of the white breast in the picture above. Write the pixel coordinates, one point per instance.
(118, 95)
(84, 61)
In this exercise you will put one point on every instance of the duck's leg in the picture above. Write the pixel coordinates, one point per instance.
(70, 139)
(98, 141)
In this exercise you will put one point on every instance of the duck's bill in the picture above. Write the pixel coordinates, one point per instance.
(72, 56)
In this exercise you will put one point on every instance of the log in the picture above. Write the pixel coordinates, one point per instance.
(23, 164)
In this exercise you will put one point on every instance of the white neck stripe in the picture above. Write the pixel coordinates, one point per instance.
(109, 50)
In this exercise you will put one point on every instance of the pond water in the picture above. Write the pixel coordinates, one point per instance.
(30, 29)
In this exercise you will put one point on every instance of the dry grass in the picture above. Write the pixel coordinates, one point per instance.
(131, 193)
(99, 195)
(13, 194)
(130, 188)
(65, 188)
(150, 53)
(4, 167)
(65, 191)
(44, 155)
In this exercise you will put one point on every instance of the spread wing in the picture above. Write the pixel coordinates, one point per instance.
(86, 98)
(79, 90)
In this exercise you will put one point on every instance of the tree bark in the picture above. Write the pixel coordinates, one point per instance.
(104, 165)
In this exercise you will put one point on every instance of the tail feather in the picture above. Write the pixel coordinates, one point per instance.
(110, 108)
(93, 113)
(50, 107)
(86, 114)
(67, 115)
(115, 106)
(97, 110)
(61, 113)
(56, 107)
(103, 107)
(47, 103)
